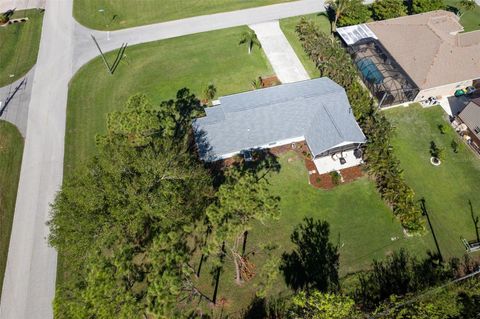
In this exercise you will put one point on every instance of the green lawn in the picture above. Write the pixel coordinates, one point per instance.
(158, 69)
(288, 27)
(119, 14)
(11, 149)
(360, 222)
(471, 19)
(446, 188)
(19, 46)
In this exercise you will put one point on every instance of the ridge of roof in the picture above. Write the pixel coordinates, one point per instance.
(438, 42)
(309, 115)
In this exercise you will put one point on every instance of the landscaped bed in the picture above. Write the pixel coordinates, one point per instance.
(447, 188)
(11, 150)
(19, 45)
(119, 14)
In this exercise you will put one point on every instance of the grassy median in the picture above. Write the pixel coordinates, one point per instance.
(19, 45)
(11, 150)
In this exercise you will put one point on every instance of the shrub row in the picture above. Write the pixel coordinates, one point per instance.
(334, 62)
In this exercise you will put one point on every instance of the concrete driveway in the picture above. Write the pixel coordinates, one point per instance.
(283, 59)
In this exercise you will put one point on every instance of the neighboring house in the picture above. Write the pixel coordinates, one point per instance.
(315, 111)
(470, 116)
(415, 57)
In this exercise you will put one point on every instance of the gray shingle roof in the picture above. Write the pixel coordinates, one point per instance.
(317, 110)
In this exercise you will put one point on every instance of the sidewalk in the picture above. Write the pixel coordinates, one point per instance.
(283, 59)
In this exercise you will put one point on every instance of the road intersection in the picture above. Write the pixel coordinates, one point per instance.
(29, 283)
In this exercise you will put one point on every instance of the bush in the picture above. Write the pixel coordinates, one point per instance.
(421, 6)
(454, 146)
(336, 177)
(441, 128)
(356, 13)
(388, 9)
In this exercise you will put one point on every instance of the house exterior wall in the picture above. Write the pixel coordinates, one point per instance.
(442, 91)
(266, 146)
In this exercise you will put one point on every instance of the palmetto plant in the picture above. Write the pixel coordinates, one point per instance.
(250, 39)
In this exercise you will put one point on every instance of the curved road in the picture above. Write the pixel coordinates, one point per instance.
(29, 283)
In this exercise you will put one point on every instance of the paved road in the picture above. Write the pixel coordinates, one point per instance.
(283, 59)
(85, 49)
(29, 283)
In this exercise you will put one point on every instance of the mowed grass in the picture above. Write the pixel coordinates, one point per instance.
(288, 27)
(158, 69)
(360, 224)
(470, 19)
(19, 46)
(11, 150)
(118, 14)
(446, 188)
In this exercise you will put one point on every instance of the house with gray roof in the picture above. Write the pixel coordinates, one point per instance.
(470, 116)
(315, 111)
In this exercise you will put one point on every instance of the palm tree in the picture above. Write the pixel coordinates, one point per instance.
(210, 92)
(250, 39)
(335, 9)
(5, 17)
(467, 5)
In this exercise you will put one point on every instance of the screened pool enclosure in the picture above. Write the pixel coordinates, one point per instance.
(381, 74)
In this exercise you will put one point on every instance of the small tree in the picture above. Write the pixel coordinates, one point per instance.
(210, 92)
(335, 9)
(441, 128)
(436, 152)
(466, 5)
(250, 39)
(242, 199)
(388, 9)
(355, 13)
(454, 146)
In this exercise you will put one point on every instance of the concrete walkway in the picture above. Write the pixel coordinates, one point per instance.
(29, 283)
(283, 59)
(16, 112)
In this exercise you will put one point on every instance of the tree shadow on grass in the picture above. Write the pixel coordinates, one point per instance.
(314, 262)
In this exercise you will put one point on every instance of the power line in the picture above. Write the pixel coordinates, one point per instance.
(388, 311)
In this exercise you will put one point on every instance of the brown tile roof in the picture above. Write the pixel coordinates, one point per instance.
(430, 48)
